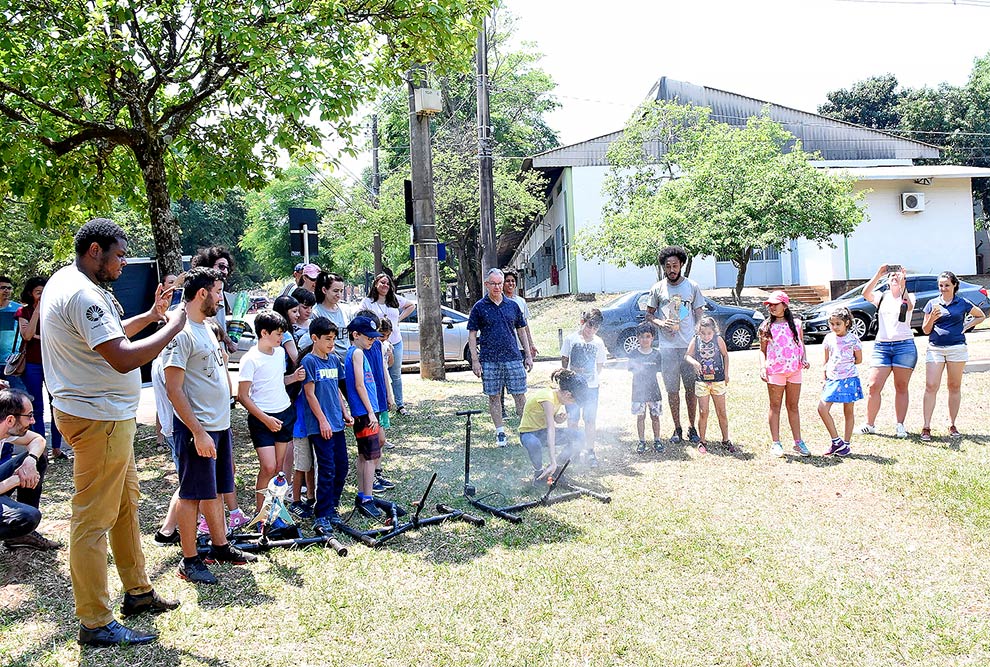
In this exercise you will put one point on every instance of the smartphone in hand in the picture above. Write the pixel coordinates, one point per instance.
(894, 268)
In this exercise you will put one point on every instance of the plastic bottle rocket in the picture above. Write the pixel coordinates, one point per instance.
(240, 305)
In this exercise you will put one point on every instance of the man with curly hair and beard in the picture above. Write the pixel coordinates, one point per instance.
(92, 370)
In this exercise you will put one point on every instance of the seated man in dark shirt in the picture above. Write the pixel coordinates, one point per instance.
(22, 471)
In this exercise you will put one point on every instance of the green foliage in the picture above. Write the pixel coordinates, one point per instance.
(100, 99)
(267, 233)
(520, 96)
(679, 177)
(872, 102)
(954, 118)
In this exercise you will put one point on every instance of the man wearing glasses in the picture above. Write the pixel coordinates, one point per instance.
(22, 472)
(8, 327)
(501, 363)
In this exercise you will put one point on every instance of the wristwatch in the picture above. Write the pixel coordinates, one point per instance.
(35, 457)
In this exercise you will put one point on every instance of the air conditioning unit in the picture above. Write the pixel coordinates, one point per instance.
(912, 202)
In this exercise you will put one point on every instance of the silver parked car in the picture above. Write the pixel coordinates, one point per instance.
(455, 336)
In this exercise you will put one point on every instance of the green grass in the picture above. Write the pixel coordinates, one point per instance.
(713, 559)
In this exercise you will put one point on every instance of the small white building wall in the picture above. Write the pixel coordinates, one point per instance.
(593, 275)
(940, 238)
(937, 239)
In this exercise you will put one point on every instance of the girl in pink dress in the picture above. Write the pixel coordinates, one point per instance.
(783, 358)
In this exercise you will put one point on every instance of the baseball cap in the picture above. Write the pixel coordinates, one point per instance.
(311, 271)
(364, 325)
(298, 267)
(780, 296)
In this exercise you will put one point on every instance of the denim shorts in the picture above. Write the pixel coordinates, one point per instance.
(588, 407)
(896, 354)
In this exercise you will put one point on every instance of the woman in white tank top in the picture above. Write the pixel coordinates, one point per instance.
(894, 351)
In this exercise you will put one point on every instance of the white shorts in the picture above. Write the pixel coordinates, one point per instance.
(302, 455)
(937, 354)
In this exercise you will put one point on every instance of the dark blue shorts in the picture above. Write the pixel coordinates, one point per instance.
(262, 437)
(202, 478)
(368, 443)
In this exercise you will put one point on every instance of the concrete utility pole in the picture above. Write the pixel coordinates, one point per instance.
(376, 185)
(489, 254)
(425, 237)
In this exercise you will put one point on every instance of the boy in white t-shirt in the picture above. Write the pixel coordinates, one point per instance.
(261, 390)
(584, 353)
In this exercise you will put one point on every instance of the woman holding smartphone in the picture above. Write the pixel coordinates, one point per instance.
(947, 319)
(894, 352)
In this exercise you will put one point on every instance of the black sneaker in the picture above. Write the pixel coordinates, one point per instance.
(383, 481)
(677, 437)
(301, 510)
(150, 602)
(641, 447)
(228, 553)
(693, 435)
(163, 540)
(368, 509)
(196, 572)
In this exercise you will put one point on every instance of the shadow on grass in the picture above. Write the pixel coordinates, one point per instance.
(156, 653)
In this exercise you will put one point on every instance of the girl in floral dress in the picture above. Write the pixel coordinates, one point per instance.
(783, 359)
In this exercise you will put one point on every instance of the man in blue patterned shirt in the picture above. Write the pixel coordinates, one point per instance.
(500, 363)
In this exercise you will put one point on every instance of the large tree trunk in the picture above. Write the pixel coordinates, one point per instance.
(741, 262)
(164, 226)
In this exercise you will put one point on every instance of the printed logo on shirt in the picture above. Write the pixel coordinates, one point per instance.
(95, 314)
(326, 374)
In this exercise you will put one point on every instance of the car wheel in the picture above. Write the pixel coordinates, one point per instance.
(739, 337)
(861, 326)
(467, 353)
(626, 343)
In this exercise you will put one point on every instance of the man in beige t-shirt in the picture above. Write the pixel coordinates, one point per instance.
(92, 370)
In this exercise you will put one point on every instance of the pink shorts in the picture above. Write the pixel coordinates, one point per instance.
(781, 379)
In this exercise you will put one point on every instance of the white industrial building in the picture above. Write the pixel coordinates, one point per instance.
(920, 216)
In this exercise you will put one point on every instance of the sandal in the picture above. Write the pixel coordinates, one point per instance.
(926, 434)
(954, 432)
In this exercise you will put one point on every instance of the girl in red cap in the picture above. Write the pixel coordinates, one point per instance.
(783, 358)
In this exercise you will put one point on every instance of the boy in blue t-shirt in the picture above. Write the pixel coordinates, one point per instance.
(376, 359)
(362, 396)
(325, 416)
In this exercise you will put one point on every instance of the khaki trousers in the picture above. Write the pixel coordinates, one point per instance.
(105, 503)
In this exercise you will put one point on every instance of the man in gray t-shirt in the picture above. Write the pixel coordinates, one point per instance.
(197, 386)
(675, 305)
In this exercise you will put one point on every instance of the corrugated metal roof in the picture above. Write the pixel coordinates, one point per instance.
(588, 153)
(835, 140)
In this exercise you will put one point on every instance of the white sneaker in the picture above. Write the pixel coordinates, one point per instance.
(866, 429)
(777, 449)
(501, 440)
(901, 431)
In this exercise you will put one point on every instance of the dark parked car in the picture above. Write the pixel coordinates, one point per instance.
(622, 315)
(924, 287)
